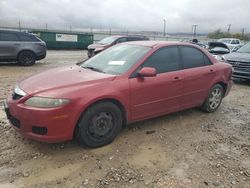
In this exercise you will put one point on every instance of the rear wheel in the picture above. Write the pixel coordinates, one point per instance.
(26, 58)
(214, 99)
(99, 125)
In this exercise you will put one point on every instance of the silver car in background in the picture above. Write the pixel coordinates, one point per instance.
(25, 48)
(240, 60)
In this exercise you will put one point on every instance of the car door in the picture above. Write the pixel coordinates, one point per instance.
(198, 74)
(153, 96)
(9, 45)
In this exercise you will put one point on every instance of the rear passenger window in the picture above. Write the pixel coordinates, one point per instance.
(206, 60)
(164, 60)
(193, 57)
(8, 37)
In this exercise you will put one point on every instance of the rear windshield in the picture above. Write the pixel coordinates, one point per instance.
(107, 40)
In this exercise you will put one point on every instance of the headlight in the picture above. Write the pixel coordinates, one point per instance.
(218, 57)
(44, 102)
(19, 91)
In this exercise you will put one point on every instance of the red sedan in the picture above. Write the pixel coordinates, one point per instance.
(126, 83)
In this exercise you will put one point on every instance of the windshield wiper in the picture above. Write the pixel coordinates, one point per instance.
(93, 69)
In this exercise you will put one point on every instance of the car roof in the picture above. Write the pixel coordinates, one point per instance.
(155, 44)
(132, 36)
(15, 32)
(229, 39)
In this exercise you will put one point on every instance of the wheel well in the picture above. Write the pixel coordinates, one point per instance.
(224, 87)
(25, 51)
(114, 101)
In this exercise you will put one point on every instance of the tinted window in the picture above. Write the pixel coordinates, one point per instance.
(206, 60)
(134, 38)
(8, 37)
(164, 60)
(193, 57)
(27, 38)
(236, 42)
(121, 40)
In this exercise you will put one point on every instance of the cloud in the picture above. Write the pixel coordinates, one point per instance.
(127, 14)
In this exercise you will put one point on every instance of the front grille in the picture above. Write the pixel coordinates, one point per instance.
(39, 130)
(16, 96)
(14, 121)
(239, 65)
(91, 52)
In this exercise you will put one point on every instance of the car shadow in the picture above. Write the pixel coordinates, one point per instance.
(241, 81)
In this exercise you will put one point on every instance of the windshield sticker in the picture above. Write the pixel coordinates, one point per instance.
(116, 62)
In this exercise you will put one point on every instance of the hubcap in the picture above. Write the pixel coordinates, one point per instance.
(27, 60)
(102, 124)
(215, 98)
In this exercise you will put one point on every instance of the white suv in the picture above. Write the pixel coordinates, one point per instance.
(230, 42)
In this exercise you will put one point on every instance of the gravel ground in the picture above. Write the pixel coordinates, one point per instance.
(184, 149)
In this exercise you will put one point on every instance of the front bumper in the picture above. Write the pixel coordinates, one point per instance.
(46, 125)
(241, 74)
(41, 55)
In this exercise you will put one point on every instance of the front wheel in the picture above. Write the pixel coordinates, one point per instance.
(214, 99)
(26, 58)
(99, 125)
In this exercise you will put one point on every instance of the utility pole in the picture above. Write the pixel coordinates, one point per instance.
(194, 26)
(242, 32)
(46, 27)
(164, 27)
(19, 25)
(109, 31)
(229, 27)
(70, 28)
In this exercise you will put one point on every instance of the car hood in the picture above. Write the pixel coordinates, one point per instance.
(237, 56)
(96, 45)
(61, 78)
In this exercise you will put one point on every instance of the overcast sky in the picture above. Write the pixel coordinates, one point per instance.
(209, 15)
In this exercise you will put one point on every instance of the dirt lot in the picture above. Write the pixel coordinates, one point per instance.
(185, 149)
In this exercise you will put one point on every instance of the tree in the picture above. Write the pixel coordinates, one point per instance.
(217, 34)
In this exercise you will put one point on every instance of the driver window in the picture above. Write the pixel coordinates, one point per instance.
(164, 60)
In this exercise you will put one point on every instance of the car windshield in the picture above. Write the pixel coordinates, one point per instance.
(107, 40)
(116, 60)
(245, 48)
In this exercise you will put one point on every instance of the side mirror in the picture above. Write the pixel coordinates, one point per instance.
(147, 72)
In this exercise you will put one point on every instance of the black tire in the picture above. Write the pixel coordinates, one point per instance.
(213, 99)
(99, 125)
(26, 58)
